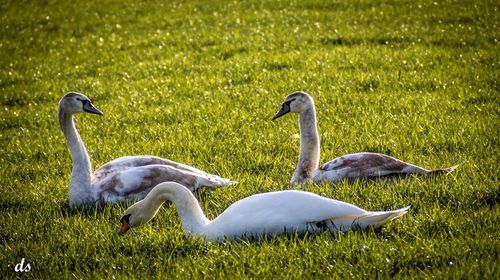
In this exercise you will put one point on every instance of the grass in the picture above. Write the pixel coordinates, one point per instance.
(198, 82)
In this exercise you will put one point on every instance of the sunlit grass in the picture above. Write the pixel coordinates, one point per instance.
(198, 83)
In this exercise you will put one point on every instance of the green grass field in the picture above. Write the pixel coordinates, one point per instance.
(198, 83)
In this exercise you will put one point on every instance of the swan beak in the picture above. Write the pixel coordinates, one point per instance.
(284, 109)
(123, 228)
(89, 108)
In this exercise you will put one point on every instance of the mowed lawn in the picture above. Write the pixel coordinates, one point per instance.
(199, 81)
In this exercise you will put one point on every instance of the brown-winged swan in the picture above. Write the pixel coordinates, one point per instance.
(351, 166)
(125, 178)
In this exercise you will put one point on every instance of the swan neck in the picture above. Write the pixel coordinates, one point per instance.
(309, 144)
(80, 183)
(193, 219)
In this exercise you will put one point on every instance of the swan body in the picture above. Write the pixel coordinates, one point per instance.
(351, 166)
(123, 179)
(272, 213)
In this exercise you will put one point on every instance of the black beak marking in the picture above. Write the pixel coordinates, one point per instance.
(285, 108)
(125, 218)
(90, 108)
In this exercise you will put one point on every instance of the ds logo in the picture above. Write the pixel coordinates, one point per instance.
(20, 267)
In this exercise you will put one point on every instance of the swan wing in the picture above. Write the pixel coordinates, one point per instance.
(126, 162)
(125, 184)
(364, 165)
(278, 212)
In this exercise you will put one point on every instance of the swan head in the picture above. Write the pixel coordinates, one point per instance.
(135, 216)
(296, 102)
(144, 210)
(74, 103)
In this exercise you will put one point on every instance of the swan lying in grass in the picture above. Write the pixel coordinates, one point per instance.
(351, 166)
(270, 214)
(125, 178)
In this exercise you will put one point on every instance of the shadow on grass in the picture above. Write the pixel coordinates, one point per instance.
(13, 206)
(91, 210)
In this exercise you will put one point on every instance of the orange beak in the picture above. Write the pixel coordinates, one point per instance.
(123, 228)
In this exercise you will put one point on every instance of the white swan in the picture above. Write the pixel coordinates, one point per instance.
(271, 213)
(351, 166)
(122, 179)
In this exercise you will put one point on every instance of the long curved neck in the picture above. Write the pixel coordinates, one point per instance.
(193, 219)
(80, 183)
(309, 146)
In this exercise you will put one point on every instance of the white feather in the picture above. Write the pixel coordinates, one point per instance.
(272, 213)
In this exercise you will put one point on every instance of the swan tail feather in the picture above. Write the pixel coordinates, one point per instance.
(444, 171)
(379, 218)
(362, 221)
(211, 182)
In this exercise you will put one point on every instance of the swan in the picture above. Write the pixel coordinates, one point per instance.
(125, 178)
(265, 214)
(351, 166)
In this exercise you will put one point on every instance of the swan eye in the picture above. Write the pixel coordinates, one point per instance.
(289, 101)
(125, 218)
(84, 101)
